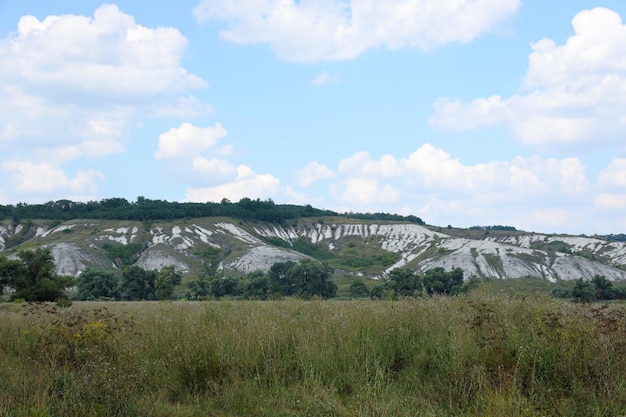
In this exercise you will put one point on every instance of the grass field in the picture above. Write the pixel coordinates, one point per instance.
(480, 355)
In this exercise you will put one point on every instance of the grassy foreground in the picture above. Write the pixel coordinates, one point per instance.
(472, 356)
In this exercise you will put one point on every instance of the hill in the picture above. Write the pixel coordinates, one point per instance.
(354, 247)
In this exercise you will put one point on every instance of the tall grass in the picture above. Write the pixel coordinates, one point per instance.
(472, 356)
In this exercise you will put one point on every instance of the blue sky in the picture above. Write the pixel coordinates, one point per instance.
(463, 112)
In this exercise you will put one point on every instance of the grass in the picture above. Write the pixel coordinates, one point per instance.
(480, 355)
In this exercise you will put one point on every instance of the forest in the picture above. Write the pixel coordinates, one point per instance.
(144, 209)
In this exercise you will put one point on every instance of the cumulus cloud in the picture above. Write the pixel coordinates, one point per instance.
(614, 175)
(44, 178)
(246, 184)
(440, 188)
(312, 173)
(313, 30)
(188, 140)
(73, 86)
(363, 192)
(434, 169)
(571, 93)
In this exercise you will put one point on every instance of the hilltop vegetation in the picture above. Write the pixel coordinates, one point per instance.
(145, 210)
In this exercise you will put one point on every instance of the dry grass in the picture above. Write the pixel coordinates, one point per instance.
(473, 356)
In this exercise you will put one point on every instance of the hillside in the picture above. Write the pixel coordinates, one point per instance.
(368, 248)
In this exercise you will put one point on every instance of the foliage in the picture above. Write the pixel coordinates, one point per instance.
(358, 289)
(167, 278)
(137, 284)
(144, 209)
(257, 286)
(312, 279)
(438, 281)
(404, 282)
(33, 277)
(225, 286)
(123, 255)
(280, 281)
(306, 279)
(561, 292)
(97, 284)
(315, 250)
(599, 288)
(583, 291)
(200, 288)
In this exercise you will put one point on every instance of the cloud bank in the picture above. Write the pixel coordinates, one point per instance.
(314, 30)
(572, 94)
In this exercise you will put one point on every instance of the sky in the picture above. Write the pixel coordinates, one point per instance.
(461, 112)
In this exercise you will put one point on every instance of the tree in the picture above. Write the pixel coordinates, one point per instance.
(137, 284)
(358, 289)
(222, 286)
(167, 278)
(404, 282)
(280, 280)
(257, 286)
(200, 288)
(583, 291)
(97, 284)
(312, 279)
(9, 269)
(438, 281)
(604, 288)
(561, 292)
(35, 279)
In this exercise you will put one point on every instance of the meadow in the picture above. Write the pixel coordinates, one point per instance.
(476, 355)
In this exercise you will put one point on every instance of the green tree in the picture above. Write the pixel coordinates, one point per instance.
(257, 286)
(222, 286)
(9, 270)
(404, 282)
(561, 292)
(137, 284)
(167, 278)
(280, 279)
(97, 284)
(378, 291)
(358, 289)
(604, 288)
(312, 279)
(35, 279)
(583, 291)
(200, 288)
(438, 281)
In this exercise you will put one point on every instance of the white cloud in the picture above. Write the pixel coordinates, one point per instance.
(573, 93)
(610, 201)
(73, 86)
(313, 30)
(246, 184)
(432, 168)
(362, 192)
(45, 178)
(212, 167)
(312, 173)
(188, 140)
(440, 188)
(613, 176)
(324, 78)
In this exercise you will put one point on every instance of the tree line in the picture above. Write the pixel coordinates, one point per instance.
(599, 288)
(144, 209)
(32, 277)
